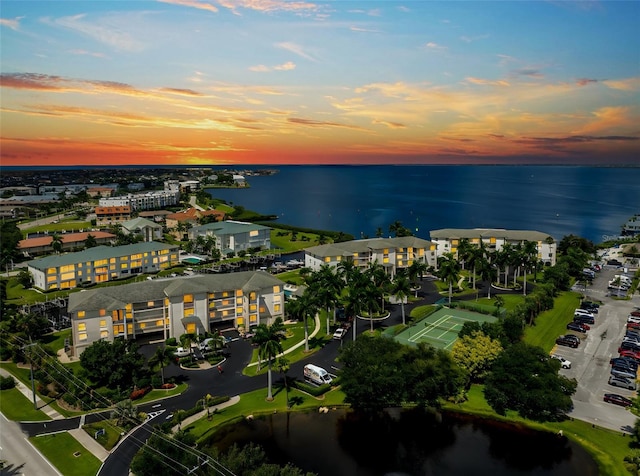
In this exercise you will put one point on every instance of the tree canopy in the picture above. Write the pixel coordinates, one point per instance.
(525, 379)
(378, 372)
(116, 365)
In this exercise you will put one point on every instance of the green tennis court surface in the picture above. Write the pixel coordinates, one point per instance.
(441, 328)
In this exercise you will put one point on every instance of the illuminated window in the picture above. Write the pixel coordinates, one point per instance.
(225, 294)
(82, 336)
(399, 262)
(150, 303)
(191, 328)
(103, 312)
(143, 325)
(81, 314)
(124, 265)
(82, 327)
(238, 310)
(159, 323)
(327, 259)
(112, 260)
(454, 242)
(254, 233)
(386, 251)
(52, 271)
(104, 334)
(239, 293)
(211, 295)
(252, 308)
(276, 289)
(252, 296)
(385, 260)
(103, 323)
(188, 312)
(492, 241)
(188, 298)
(276, 308)
(240, 321)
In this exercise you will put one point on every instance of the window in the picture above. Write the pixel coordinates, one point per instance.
(276, 289)
(254, 233)
(82, 326)
(191, 328)
(188, 312)
(239, 293)
(81, 314)
(238, 310)
(103, 312)
(188, 298)
(104, 334)
(82, 336)
(159, 323)
(252, 308)
(276, 308)
(103, 323)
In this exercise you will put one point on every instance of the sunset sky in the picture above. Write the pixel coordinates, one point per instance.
(281, 82)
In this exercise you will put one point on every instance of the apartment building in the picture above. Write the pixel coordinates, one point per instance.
(112, 214)
(448, 240)
(149, 230)
(392, 253)
(41, 245)
(234, 236)
(101, 264)
(144, 201)
(170, 307)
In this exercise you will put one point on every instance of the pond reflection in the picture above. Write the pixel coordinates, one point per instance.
(407, 442)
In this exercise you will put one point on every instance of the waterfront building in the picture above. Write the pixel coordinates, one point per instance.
(101, 264)
(448, 240)
(392, 253)
(632, 226)
(234, 236)
(170, 307)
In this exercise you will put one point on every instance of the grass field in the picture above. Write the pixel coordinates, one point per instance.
(66, 454)
(15, 406)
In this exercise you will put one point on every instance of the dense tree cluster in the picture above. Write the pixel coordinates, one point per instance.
(114, 365)
(378, 372)
(525, 379)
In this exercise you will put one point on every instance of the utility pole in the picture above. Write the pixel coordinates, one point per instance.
(33, 383)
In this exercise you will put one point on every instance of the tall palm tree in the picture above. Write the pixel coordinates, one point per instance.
(163, 358)
(308, 307)
(401, 289)
(449, 271)
(269, 347)
(354, 298)
(530, 252)
(414, 272)
(283, 366)
(326, 286)
(380, 279)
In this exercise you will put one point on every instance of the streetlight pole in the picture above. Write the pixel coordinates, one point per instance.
(33, 383)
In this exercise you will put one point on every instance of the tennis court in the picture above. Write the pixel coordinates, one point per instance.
(441, 328)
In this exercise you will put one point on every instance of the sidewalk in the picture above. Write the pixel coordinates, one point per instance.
(203, 413)
(42, 405)
(95, 448)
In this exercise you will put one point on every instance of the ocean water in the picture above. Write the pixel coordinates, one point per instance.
(591, 202)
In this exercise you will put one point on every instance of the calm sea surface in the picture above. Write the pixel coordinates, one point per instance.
(592, 202)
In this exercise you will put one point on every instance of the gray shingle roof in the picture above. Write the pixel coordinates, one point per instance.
(348, 248)
(460, 233)
(114, 297)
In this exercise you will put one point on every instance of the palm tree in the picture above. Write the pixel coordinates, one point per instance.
(401, 289)
(326, 286)
(162, 357)
(380, 279)
(56, 243)
(269, 347)
(308, 307)
(354, 298)
(415, 270)
(395, 227)
(530, 253)
(282, 365)
(449, 270)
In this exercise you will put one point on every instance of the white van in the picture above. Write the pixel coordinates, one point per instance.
(316, 374)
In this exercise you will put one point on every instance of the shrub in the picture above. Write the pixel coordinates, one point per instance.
(139, 393)
(171, 342)
(7, 382)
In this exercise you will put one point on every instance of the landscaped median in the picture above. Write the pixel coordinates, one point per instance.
(67, 454)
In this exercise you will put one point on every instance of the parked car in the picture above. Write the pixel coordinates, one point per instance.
(627, 345)
(339, 333)
(583, 312)
(617, 399)
(633, 318)
(569, 340)
(631, 354)
(623, 372)
(624, 362)
(576, 326)
(181, 352)
(584, 319)
(564, 363)
(634, 314)
(633, 325)
(622, 382)
(591, 304)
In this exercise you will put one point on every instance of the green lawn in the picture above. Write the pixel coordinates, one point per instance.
(65, 225)
(552, 323)
(61, 450)
(255, 403)
(15, 406)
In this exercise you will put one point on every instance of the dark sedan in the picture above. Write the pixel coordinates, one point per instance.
(617, 399)
(569, 340)
(576, 326)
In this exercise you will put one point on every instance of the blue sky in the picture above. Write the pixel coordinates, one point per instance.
(271, 81)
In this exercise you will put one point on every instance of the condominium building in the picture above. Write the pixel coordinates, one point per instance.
(448, 240)
(234, 236)
(144, 201)
(392, 253)
(112, 214)
(170, 307)
(41, 245)
(101, 264)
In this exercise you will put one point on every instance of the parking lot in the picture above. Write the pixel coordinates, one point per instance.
(590, 361)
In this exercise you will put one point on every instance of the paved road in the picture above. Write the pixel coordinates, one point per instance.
(20, 455)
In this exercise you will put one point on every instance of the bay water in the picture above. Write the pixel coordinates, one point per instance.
(591, 202)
